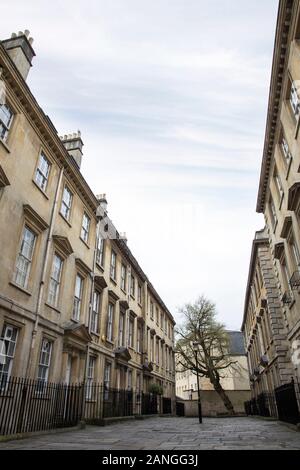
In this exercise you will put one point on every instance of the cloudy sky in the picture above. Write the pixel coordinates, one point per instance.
(171, 99)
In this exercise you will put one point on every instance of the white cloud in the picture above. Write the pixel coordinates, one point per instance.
(171, 99)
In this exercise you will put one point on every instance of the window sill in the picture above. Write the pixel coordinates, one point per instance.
(41, 190)
(5, 145)
(99, 266)
(275, 226)
(113, 281)
(52, 307)
(292, 304)
(132, 348)
(124, 291)
(132, 297)
(109, 341)
(74, 320)
(66, 220)
(281, 200)
(95, 333)
(83, 241)
(288, 168)
(22, 289)
(140, 304)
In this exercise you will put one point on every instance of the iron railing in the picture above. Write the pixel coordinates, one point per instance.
(283, 404)
(287, 403)
(31, 405)
(262, 405)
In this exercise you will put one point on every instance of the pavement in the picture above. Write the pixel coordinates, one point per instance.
(172, 433)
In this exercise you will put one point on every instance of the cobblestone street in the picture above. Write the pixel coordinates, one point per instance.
(170, 434)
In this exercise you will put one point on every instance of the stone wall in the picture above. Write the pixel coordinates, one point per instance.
(212, 405)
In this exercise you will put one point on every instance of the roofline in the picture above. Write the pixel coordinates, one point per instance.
(128, 253)
(279, 64)
(255, 244)
(47, 125)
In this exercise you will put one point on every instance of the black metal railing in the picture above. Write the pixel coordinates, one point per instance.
(283, 404)
(287, 403)
(262, 405)
(149, 404)
(30, 405)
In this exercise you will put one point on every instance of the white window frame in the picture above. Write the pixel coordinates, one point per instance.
(8, 343)
(44, 365)
(123, 277)
(55, 281)
(131, 332)
(139, 338)
(294, 100)
(278, 185)
(95, 312)
(90, 377)
(110, 321)
(285, 149)
(66, 204)
(107, 379)
(122, 324)
(85, 227)
(5, 125)
(140, 294)
(100, 251)
(132, 285)
(77, 298)
(151, 310)
(42, 172)
(113, 265)
(25, 258)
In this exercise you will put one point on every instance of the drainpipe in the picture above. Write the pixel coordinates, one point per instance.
(92, 274)
(43, 274)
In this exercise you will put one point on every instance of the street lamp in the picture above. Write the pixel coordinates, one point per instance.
(195, 347)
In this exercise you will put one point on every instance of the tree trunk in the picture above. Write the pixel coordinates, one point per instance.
(221, 392)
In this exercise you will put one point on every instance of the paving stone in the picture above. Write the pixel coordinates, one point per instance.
(170, 434)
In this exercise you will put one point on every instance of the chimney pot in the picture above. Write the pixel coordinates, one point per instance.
(30, 40)
(19, 49)
(26, 32)
(74, 148)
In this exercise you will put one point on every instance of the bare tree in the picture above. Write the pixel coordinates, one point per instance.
(200, 326)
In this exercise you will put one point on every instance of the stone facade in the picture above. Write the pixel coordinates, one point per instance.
(271, 317)
(74, 303)
(263, 325)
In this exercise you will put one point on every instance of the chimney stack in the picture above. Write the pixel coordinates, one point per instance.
(102, 201)
(19, 48)
(73, 143)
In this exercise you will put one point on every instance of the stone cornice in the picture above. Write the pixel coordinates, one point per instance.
(280, 54)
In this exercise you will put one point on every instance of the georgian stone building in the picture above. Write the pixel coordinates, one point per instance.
(263, 325)
(74, 305)
(272, 306)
